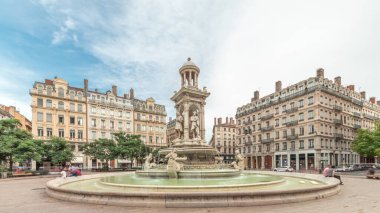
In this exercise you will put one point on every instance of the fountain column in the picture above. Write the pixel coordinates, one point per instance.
(186, 121)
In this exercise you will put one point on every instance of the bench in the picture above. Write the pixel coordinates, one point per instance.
(373, 176)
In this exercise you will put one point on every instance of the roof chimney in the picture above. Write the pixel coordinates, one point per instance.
(125, 95)
(372, 100)
(278, 86)
(114, 90)
(131, 93)
(351, 87)
(226, 120)
(85, 82)
(362, 95)
(214, 121)
(256, 95)
(219, 120)
(231, 120)
(320, 73)
(338, 80)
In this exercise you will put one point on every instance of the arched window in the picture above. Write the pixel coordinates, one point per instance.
(80, 96)
(40, 89)
(61, 92)
(49, 103)
(61, 105)
(71, 95)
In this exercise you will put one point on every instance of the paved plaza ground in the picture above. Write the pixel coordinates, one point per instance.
(28, 195)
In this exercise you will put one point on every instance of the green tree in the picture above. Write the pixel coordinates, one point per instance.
(57, 150)
(103, 149)
(367, 143)
(130, 146)
(14, 141)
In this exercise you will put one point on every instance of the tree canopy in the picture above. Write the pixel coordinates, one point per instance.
(367, 143)
(130, 146)
(58, 151)
(103, 149)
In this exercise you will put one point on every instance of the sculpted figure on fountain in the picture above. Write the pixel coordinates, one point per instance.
(179, 125)
(173, 165)
(148, 162)
(194, 119)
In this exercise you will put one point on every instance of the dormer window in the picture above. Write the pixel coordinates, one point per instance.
(40, 89)
(61, 92)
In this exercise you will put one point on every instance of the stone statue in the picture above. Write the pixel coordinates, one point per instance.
(179, 125)
(148, 162)
(195, 125)
(239, 161)
(173, 166)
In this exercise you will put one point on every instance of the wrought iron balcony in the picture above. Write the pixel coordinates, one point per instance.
(267, 140)
(337, 108)
(292, 137)
(266, 128)
(291, 110)
(357, 126)
(291, 123)
(267, 117)
(338, 121)
(248, 143)
(356, 114)
(338, 136)
(371, 117)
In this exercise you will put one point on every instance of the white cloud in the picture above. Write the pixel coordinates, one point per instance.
(239, 46)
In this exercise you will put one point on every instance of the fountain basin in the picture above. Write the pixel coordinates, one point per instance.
(103, 189)
(207, 173)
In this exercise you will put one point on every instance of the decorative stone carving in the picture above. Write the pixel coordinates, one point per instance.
(194, 130)
(179, 126)
(239, 161)
(148, 162)
(173, 165)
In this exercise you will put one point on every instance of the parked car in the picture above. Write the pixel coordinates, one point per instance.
(344, 169)
(283, 169)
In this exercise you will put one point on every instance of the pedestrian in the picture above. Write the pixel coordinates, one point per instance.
(326, 170)
(64, 173)
(331, 173)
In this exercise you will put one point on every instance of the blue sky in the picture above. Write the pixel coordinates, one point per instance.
(240, 46)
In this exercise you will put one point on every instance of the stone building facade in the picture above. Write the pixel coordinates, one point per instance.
(59, 109)
(171, 134)
(306, 125)
(224, 138)
(150, 122)
(25, 123)
(108, 113)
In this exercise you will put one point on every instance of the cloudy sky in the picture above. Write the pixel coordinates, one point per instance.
(240, 46)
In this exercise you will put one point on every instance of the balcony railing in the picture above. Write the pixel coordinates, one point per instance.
(338, 136)
(291, 123)
(356, 114)
(266, 128)
(267, 140)
(248, 143)
(291, 110)
(292, 137)
(247, 122)
(337, 108)
(267, 117)
(371, 117)
(338, 121)
(357, 126)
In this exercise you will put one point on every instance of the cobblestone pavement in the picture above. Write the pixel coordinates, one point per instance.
(28, 195)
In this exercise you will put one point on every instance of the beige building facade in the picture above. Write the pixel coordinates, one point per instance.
(25, 123)
(150, 122)
(59, 110)
(224, 138)
(171, 133)
(306, 125)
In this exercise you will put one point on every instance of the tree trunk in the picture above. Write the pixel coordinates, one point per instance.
(10, 163)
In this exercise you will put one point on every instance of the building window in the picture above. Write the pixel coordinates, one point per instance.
(301, 144)
(143, 127)
(157, 139)
(40, 131)
(49, 117)
(49, 103)
(292, 145)
(128, 115)
(61, 119)
(103, 123)
(49, 132)
(71, 95)
(80, 96)
(302, 131)
(138, 127)
(301, 116)
(277, 121)
(61, 105)
(72, 107)
(150, 139)
(93, 122)
(80, 121)
(93, 135)
(103, 111)
(40, 102)
(103, 134)
(311, 114)
(277, 146)
(311, 129)
(80, 134)
(40, 88)
(277, 134)
(61, 133)
(72, 120)
(300, 103)
(150, 129)
(310, 100)
(112, 124)
(61, 92)
(93, 110)
(311, 143)
(150, 117)
(40, 116)
(284, 133)
(120, 114)
(112, 113)
(120, 125)
(128, 126)
(48, 91)
(72, 133)
(80, 108)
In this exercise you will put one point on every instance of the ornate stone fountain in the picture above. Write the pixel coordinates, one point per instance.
(188, 155)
